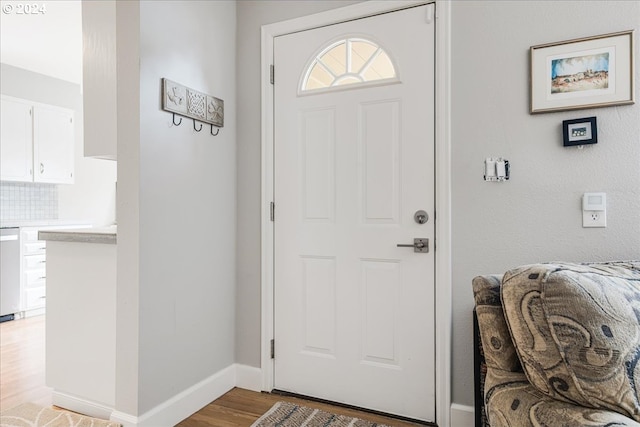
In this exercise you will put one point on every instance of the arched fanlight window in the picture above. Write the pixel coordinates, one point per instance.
(351, 61)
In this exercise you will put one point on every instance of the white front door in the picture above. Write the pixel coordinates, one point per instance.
(354, 313)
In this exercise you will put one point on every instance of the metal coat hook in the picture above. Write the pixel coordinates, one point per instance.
(217, 132)
(174, 120)
(194, 126)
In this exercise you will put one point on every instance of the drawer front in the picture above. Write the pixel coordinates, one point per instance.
(35, 262)
(29, 236)
(35, 298)
(35, 248)
(35, 278)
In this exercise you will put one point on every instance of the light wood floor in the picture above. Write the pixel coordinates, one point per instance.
(22, 379)
(240, 408)
(22, 363)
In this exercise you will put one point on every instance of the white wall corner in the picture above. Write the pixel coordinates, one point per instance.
(248, 377)
(82, 406)
(183, 404)
(124, 419)
(462, 415)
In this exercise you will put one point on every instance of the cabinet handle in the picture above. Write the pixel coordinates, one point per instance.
(42, 277)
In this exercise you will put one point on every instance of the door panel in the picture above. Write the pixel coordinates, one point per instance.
(318, 162)
(379, 143)
(318, 282)
(353, 311)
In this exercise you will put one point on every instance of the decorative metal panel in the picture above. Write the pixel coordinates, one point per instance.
(187, 102)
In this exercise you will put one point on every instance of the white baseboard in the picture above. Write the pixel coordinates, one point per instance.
(124, 419)
(248, 377)
(183, 404)
(462, 415)
(31, 313)
(81, 406)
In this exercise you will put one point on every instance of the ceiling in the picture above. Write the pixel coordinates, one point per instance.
(48, 42)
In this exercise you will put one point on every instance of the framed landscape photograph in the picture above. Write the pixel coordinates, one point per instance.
(582, 73)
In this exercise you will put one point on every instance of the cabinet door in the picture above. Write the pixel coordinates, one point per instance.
(35, 298)
(16, 140)
(53, 145)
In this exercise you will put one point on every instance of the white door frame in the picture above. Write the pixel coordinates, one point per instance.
(443, 296)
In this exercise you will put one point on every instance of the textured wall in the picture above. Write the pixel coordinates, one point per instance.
(536, 216)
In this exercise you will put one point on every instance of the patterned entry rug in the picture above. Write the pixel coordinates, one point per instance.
(30, 415)
(285, 414)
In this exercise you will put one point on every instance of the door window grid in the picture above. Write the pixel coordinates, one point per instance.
(351, 61)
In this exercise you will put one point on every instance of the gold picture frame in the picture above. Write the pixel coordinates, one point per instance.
(582, 73)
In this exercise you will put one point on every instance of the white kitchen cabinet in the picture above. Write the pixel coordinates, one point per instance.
(38, 142)
(16, 147)
(34, 270)
(53, 144)
(35, 297)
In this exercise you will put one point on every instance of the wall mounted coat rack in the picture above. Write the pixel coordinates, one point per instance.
(183, 101)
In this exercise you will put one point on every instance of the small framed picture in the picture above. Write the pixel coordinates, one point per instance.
(582, 73)
(580, 131)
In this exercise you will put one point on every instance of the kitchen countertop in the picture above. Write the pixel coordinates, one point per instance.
(41, 223)
(107, 235)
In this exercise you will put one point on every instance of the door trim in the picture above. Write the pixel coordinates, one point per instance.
(443, 261)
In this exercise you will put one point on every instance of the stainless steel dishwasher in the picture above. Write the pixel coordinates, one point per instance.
(9, 273)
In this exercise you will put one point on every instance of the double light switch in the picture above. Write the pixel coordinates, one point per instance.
(496, 169)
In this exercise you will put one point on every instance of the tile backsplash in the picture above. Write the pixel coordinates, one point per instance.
(23, 201)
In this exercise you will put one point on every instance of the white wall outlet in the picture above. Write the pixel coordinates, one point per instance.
(594, 219)
(594, 210)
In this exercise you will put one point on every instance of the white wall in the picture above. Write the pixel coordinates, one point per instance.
(128, 207)
(99, 82)
(92, 197)
(187, 201)
(47, 42)
(536, 216)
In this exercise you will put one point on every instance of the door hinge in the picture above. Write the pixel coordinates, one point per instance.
(272, 211)
(429, 17)
(273, 349)
(271, 74)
